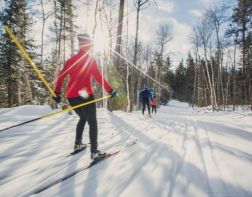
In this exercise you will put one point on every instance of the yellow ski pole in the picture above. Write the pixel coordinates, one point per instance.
(57, 112)
(26, 56)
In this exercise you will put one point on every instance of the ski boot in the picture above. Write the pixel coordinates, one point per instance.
(79, 147)
(98, 155)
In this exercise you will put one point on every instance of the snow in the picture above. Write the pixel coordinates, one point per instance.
(179, 152)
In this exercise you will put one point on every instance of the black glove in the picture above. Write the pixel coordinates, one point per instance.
(112, 93)
(57, 98)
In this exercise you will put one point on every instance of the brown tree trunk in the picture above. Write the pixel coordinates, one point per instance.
(21, 35)
(119, 30)
(71, 24)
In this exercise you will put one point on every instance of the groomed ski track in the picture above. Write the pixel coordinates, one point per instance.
(180, 152)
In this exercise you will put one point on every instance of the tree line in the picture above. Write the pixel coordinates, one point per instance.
(222, 57)
(217, 71)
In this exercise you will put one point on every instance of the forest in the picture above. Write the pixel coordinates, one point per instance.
(216, 72)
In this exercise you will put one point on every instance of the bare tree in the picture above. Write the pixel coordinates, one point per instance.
(140, 5)
(205, 31)
(64, 32)
(95, 15)
(164, 35)
(45, 17)
(217, 18)
(196, 43)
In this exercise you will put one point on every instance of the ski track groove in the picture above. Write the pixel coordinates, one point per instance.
(223, 186)
(198, 144)
(207, 143)
(47, 166)
(212, 152)
(44, 181)
(177, 168)
(148, 156)
(136, 131)
(82, 171)
(126, 126)
(66, 165)
(155, 144)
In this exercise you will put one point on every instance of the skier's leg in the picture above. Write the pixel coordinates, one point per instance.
(82, 121)
(143, 106)
(80, 126)
(90, 112)
(148, 106)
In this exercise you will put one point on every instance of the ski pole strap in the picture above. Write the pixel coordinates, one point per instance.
(57, 112)
(26, 56)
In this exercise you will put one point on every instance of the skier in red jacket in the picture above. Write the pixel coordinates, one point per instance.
(81, 68)
(154, 104)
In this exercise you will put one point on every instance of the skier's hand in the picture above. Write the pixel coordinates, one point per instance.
(57, 98)
(112, 93)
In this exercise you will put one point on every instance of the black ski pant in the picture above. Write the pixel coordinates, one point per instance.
(146, 102)
(86, 113)
(154, 108)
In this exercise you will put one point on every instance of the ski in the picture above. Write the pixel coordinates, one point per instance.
(85, 167)
(75, 172)
(76, 151)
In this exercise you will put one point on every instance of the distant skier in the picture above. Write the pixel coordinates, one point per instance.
(81, 68)
(145, 96)
(154, 104)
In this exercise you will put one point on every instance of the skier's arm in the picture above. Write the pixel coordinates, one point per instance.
(150, 95)
(98, 77)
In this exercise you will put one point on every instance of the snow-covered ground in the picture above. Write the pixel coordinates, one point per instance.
(180, 152)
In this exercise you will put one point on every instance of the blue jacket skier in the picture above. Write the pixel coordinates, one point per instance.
(145, 96)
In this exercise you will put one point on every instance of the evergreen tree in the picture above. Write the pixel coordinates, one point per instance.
(190, 73)
(180, 82)
(242, 17)
(167, 78)
(15, 78)
(8, 58)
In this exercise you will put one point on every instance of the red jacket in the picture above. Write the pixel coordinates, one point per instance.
(154, 102)
(80, 68)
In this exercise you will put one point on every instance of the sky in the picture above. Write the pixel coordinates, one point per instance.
(180, 15)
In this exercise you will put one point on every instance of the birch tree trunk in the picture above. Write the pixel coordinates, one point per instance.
(58, 35)
(209, 78)
(234, 77)
(217, 17)
(128, 68)
(195, 77)
(42, 33)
